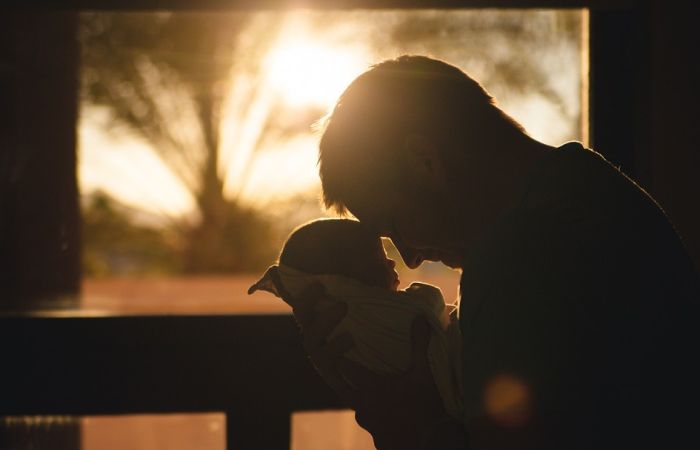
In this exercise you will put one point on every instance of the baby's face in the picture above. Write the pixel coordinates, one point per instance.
(382, 269)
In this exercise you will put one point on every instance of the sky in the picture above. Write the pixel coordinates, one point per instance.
(313, 57)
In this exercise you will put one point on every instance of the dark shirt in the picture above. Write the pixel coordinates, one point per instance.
(578, 314)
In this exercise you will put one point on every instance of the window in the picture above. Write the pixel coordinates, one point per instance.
(196, 144)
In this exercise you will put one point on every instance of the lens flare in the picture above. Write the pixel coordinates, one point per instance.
(507, 400)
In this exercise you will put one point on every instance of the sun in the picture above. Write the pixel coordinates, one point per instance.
(305, 72)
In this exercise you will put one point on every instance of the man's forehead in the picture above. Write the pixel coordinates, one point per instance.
(372, 202)
(370, 213)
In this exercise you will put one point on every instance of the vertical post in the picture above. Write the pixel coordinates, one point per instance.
(619, 89)
(675, 135)
(248, 430)
(39, 220)
(39, 255)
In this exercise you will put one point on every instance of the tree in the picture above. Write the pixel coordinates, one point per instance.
(114, 244)
(516, 53)
(167, 78)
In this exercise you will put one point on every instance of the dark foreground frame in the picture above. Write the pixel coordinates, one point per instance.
(250, 367)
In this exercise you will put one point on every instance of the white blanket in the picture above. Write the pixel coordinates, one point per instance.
(379, 321)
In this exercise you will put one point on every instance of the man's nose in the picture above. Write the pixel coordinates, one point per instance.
(411, 256)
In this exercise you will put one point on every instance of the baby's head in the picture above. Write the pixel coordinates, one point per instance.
(340, 247)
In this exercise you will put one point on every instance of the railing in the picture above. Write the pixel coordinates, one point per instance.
(250, 367)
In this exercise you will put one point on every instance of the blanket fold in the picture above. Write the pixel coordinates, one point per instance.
(379, 321)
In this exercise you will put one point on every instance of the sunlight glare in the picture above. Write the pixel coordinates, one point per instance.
(307, 73)
(128, 169)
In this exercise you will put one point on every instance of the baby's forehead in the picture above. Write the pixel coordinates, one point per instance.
(345, 228)
(366, 246)
(341, 237)
(354, 243)
(358, 241)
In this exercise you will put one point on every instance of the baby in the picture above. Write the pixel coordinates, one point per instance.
(349, 260)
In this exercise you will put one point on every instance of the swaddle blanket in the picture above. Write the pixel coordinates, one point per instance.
(379, 321)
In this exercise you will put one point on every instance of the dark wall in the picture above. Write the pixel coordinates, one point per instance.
(39, 256)
(644, 99)
(674, 116)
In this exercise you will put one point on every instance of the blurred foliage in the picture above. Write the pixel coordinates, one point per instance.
(114, 244)
(165, 77)
(237, 239)
(117, 243)
(513, 49)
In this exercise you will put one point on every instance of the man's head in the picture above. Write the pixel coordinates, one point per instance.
(340, 247)
(397, 147)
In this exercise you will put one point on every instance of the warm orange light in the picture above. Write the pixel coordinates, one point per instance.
(507, 400)
(306, 72)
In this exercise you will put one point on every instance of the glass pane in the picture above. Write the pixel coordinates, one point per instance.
(202, 431)
(197, 151)
(322, 430)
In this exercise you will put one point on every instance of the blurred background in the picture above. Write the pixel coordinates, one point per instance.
(196, 142)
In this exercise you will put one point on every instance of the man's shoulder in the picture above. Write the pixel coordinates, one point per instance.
(581, 224)
(575, 173)
(577, 190)
(586, 276)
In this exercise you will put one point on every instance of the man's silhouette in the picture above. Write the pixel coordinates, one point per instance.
(577, 296)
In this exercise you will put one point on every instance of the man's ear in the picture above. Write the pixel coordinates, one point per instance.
(423, 160)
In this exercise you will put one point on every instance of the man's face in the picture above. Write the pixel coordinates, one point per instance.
(419, 224)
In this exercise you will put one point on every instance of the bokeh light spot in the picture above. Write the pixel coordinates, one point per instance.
(507, 400)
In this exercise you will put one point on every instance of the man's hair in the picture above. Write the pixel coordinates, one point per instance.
(409, 94)
(331, 247)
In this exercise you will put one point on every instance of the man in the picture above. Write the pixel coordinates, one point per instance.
(576, 293)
